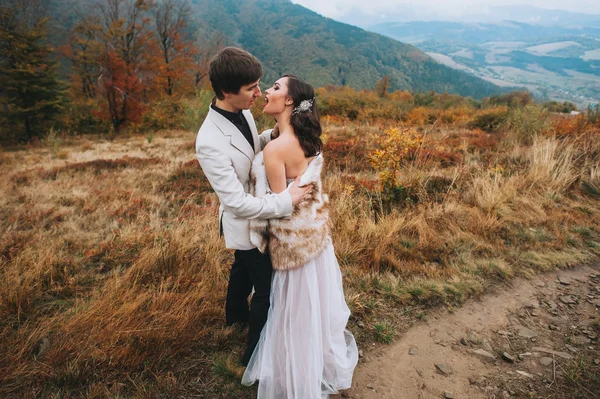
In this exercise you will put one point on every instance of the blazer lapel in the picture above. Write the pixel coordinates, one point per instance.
(250, 120)
(228, 129)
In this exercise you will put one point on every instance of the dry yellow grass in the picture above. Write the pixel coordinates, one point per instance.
(113, 277)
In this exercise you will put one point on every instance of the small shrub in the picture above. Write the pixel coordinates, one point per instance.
(384, 332)
(436, 187)
(455, 115)
(563, 108)
(437, 156)
(489, 120)
(176, 113)
(526, 123)
(593, 114)
(393, 150)
(565, 126)
(82, 116)
(195, 110)
(164, 114)
(418, 116)
(346, 155)
(512, 99)
(402, 195)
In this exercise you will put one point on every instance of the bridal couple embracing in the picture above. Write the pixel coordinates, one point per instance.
(274, 215)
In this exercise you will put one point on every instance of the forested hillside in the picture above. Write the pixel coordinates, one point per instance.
(290, 38)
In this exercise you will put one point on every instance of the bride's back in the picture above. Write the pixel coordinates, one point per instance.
(288, 146)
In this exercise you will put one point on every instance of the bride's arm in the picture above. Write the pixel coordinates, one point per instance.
(275, 166)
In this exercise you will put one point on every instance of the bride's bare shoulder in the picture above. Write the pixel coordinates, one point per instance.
(282, 146)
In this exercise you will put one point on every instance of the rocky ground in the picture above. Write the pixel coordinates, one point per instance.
(535, 339)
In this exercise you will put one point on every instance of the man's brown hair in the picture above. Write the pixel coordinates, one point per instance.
(231, 69)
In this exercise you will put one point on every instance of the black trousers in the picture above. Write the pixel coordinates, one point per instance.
(250, 268)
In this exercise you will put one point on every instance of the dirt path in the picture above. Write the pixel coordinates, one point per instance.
(460, 354)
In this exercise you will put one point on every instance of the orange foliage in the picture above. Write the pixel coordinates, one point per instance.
(418, 116)
(346, 155)
(570, 126)
(122, 89)
(359, 184)
(402, 96)
(441, 155)
(472, 140)
(394, 149)
(173, 76)
(456, 115)
(170, 53)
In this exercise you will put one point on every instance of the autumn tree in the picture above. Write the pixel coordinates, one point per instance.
(174, 54)
(83, 51)
(207, 45)
(30, 94)
(120, 43)
(383, 86)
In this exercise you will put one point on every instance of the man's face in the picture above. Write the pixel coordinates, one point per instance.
(245, 98)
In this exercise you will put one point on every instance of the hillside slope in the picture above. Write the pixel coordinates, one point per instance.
(289, 38)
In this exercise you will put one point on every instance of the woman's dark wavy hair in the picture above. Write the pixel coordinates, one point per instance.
(306, 124)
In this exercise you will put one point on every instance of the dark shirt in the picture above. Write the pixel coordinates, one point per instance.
(239, 121)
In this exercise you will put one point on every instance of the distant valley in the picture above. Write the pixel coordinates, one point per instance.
(554, 62)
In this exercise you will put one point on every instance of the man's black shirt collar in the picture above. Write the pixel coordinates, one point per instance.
(231, 116)
(238, 120)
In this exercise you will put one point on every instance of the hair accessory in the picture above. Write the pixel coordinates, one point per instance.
(304, 106)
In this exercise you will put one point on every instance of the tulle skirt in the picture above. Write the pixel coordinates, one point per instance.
(305, 351)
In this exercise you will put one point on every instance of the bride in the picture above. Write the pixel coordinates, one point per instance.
(304, 351)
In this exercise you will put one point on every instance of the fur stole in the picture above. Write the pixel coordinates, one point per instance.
(295, 241)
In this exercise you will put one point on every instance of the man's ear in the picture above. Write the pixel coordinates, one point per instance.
(226, 95)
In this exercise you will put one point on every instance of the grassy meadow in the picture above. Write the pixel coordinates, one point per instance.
(113, 276)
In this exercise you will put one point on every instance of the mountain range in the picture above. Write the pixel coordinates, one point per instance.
(289, 38)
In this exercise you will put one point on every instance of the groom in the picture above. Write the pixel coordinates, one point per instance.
(225, 146)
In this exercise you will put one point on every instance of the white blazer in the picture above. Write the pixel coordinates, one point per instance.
(226, 159)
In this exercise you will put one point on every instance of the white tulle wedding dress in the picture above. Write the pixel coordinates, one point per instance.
(305, 351)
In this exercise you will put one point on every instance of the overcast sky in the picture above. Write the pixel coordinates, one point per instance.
(454, 8)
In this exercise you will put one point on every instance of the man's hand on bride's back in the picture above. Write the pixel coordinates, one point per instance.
(298, 193)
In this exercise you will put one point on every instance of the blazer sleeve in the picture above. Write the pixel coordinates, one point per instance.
(264, 138)
(219, 170)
